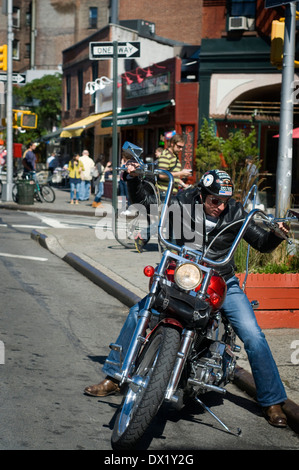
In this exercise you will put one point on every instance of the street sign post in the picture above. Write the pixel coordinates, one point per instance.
(104, 50)
(19, 78)
(114, 50)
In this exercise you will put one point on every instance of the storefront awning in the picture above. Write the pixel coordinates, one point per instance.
(135, 116)
(76, 129)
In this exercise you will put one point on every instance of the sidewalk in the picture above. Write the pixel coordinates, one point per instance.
(119, 271)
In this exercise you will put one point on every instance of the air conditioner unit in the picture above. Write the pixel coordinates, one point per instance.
(240, 22)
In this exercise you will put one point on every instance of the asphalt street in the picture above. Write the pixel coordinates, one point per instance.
(63, 230)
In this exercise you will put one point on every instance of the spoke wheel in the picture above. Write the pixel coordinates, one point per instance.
(47, 193)
(147, 390)
(126, 229)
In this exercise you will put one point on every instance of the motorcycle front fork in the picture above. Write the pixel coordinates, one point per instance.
(138, 339)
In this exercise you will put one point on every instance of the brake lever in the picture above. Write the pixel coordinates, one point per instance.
(295, 214)
(272, 225)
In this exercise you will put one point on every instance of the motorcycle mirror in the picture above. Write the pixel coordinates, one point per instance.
(132, 149)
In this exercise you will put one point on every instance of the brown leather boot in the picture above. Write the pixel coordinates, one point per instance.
(275, 416)
(106, 387)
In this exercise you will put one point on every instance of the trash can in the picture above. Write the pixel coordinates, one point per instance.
(25, 193)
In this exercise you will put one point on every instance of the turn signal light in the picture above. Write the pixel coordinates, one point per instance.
(149, 271)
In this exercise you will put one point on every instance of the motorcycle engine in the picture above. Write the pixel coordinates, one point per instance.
(215, 361)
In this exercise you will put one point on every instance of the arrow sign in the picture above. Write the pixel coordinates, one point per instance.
(16, 78)
(104, 50)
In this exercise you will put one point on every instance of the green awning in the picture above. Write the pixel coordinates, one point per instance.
(135, 116)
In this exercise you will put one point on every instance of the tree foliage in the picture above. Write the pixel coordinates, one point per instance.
(209, 149)
(229, 154)
(43, 97)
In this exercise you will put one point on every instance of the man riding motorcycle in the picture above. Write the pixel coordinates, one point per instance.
(220, 210)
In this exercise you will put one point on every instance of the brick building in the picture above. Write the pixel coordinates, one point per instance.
(239, 87)
(43, 28)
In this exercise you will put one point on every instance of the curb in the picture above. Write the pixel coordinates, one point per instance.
(112, 287)
(242, 379)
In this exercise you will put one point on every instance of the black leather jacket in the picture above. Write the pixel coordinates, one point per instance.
(187, 202)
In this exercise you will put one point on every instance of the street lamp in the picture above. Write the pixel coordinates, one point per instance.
(98, 84)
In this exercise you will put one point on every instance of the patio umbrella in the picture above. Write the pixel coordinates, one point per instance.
(295, 133)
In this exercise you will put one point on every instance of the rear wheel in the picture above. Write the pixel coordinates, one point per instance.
(126, 228)
(147, 390)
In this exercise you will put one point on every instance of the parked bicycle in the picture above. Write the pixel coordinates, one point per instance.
(42, 192)
(127, 227)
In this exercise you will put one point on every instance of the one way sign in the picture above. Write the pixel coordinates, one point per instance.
(104, 50)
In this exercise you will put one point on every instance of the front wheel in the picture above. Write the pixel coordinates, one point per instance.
(47, 193)
(147, 390)
(15, 193)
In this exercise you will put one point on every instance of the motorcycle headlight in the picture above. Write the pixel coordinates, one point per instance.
(188, 276)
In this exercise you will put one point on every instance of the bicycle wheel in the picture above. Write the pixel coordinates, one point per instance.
(15, 193)
(126, 228)
(47, 193)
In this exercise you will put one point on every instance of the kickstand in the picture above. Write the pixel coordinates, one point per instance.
(238, 433)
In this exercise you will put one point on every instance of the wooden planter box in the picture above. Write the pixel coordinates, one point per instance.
(278, 297)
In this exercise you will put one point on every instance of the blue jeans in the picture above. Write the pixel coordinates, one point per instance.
(85, 190)
(238, 310)
(75, 185)
(100, 192)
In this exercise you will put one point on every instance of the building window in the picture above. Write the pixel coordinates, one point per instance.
(16, 49)
(68, 93)
(28, 18)
(80, 87)
(16, 17)
(93, 17)
(242, 8)
(27, 50)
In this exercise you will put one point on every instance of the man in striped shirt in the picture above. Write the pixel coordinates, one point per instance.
(169, 160)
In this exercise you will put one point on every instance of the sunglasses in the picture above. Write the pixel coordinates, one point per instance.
(180, 146)
(217, 201)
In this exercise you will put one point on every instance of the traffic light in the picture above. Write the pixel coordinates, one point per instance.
(28, 120)
(277, 39)
(3, 57)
